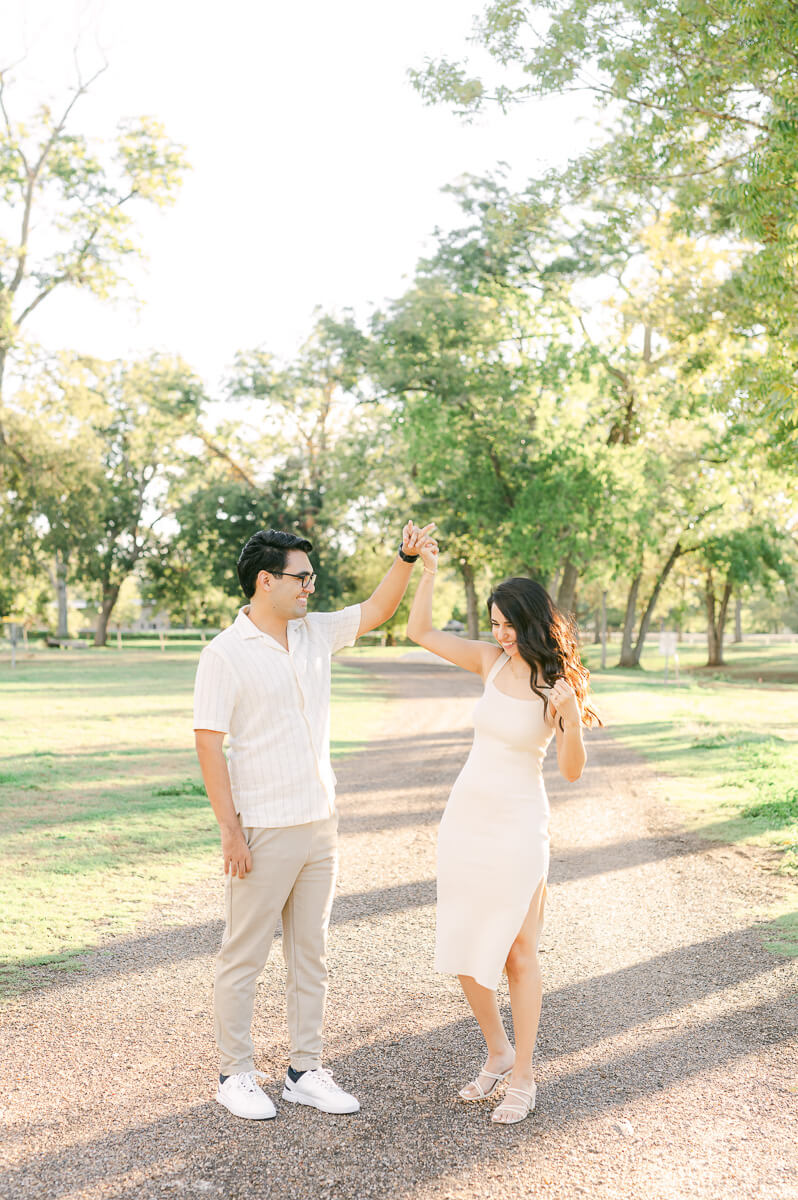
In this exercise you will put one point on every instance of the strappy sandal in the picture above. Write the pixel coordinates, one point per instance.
(481, 1093)
(521, 1108)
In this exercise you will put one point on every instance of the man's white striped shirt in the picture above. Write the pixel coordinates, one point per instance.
(275, 706)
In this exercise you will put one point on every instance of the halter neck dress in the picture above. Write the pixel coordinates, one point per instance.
(493, 841)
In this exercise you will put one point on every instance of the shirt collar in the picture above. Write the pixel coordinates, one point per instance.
(246, 628)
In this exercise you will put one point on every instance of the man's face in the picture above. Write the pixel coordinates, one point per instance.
(288, 596)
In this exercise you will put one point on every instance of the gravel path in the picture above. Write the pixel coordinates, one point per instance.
(667, 1053)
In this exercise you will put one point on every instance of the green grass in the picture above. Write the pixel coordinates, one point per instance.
(355, 717)
(783, 932)
(102, 810)
(724, 742)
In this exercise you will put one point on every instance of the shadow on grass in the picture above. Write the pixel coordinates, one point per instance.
(85, 777)
(749, 664)
(117, 807)
(783, 934)
(775, 814)
(130, 684)
(139, 955)
(737, 829)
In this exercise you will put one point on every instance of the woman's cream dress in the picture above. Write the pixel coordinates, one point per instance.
(493, 842)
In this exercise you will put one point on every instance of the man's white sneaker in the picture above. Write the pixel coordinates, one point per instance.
(319, 1089)
(241, 1094)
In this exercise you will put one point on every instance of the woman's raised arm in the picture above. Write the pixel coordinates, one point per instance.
(463, 652)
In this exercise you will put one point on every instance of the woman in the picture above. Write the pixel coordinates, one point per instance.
(493, 845)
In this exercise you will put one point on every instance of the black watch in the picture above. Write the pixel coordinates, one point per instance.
(411, 558)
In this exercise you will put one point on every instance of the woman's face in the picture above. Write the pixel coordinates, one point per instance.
(503, 631)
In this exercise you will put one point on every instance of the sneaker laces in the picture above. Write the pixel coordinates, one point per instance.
(248, 1080)
(324, 1076)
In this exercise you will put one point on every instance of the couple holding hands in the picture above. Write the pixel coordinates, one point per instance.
(264, 683)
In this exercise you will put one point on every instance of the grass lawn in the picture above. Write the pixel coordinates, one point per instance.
(102, 810)
(723, 742)
(101, 804)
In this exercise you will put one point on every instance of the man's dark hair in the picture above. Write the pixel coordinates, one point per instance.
(266, 550)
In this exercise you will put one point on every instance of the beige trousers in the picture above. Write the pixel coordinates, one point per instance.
(293, 877)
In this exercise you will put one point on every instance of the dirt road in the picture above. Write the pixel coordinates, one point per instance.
(668, 1052)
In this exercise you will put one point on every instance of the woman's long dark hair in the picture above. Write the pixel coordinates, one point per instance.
(547, 640)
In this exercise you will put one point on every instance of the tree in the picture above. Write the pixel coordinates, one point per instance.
(702, 99)
(57, 484)
(625, 381)
(23, 589)
(191, 572)
(148, 407)
(101, 441)
(69, 211)
(309, 411)
(297, 450)
(743, 557)
(448, 366)
(747, 545)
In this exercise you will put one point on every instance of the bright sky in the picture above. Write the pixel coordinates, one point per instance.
(316, 169)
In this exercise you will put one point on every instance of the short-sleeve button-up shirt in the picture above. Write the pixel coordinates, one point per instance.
(275, 706)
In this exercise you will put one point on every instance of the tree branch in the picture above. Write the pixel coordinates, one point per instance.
(709, 113)
(42, 295)
(238, 471)
(32, 174)
(724, 162)
(58, 128)
(7, 120)
(67, 276)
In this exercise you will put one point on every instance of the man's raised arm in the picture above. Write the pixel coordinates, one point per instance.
(387, 596)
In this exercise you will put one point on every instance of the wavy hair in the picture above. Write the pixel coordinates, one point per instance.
(266, 550)
(547, 640)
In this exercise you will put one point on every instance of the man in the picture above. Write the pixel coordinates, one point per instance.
(265, 682)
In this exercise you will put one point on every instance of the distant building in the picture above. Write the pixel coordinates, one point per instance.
(150, 619)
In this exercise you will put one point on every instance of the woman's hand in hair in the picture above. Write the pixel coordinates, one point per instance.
(563, 699)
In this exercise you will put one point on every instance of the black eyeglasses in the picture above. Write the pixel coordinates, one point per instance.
(306, 578)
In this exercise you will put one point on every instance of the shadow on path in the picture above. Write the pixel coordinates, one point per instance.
(227, 1152)
(411, 1131)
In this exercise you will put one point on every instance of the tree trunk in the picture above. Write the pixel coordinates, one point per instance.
(566, 592)
(472, 609)
(724, 612)
(603, 629)
(716, 620)
(59, 578)
(738, 620)
(110, 597)
(649, 613)
(3, 352)
(627, 658)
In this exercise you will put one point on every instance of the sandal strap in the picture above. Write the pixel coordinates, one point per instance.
(511, 1106)
(481, 1093)
(514, 1106)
